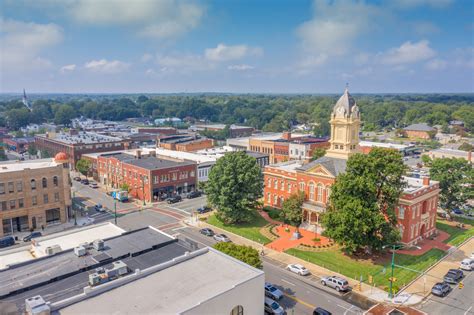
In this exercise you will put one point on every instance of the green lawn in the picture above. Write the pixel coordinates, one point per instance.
(248, 230)
(274, 213)
(457, 235)
(336, 261)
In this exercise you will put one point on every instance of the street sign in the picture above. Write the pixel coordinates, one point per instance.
(392, 279)
(461, 285)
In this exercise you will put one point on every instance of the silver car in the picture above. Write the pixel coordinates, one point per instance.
(222, 238)
(272, 292)
(297, 268)
(272, 307)
(338, 283)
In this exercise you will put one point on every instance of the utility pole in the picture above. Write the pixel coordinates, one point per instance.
(390, 295)
(143, 190)
(115, 211)
(73, 208)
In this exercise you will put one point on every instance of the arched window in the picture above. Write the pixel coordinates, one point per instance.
(33, 184)
(269, 198)
(45, 182)
(289, 187)
(302, 186)
(311, 191)
(282, 185)
(55, 181)
(328, 194)
(269, 183)
(238, 310)
(275, 184)
(320, 192)
(275, 200)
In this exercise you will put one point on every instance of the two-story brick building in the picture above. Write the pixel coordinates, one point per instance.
(149, 178)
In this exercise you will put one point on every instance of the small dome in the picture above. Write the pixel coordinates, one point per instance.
(345, 105)
(61, 157)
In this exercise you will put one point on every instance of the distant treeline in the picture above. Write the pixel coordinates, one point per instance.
(265, 112)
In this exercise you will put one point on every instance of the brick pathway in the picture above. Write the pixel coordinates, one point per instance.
(285, 242)
(268, 219)
(428, 244)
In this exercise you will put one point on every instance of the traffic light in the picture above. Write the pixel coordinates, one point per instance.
(461, 285)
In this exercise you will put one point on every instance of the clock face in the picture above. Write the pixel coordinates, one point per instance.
(340, 111)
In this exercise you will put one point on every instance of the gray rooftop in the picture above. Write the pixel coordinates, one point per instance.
(419, 127)
(333, 165)
(256, 155)
(82, 138)
(155, 163)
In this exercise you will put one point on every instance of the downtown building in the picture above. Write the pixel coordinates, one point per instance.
(34, 194)
(416, 212)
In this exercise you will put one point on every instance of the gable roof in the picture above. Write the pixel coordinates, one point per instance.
(419, 127)
(333, 165)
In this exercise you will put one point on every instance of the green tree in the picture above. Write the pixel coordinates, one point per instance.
(455, 178)
(32, 149)
(83, 166)
(234, 186)
(291, 211)
(426, 160)
(17, 118)
(45, 154)
(466, 147)
(3, 156)
(363, 200)
(125, 187)
(318, 153)
(246, 254)
(64, 114)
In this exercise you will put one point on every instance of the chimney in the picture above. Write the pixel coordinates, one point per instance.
(139, 154)
(426, 181)
(286, 135)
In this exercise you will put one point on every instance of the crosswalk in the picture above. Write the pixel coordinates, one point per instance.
(101, 216)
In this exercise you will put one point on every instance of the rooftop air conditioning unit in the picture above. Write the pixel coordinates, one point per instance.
(51, 250)
(37, 306)
(79, 251)
(99, 244)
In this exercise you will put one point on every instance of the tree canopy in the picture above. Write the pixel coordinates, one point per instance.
(291, 211)
(455, 177)
(247, 254)
(83, 166)
(317, 153)
(361, 213)
(235, 183)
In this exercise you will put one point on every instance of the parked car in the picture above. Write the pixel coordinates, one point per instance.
(193, 194)
(85, 181)
(272, 292)
(467, 264)
(98, 207)
(204, 209)
(272, 307)
(207, 232)
(299, 269)
(222, 238)
(31, 236)
(7, 241)
(93, 185)
(440, 289)
(77, 179)
(338, 283)
(472, 255)
(174, 199)
(321, 311)
(453, 276)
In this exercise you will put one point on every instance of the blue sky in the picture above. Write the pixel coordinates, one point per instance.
(276, 46)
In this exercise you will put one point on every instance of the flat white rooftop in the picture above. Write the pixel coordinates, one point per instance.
(459, 153)
(289, 166)
(65, 241)
(172, 290)
(15, 166)
(383, 145)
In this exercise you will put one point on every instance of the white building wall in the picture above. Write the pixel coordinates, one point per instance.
(203, 173)
(297, 151)
(249, 294)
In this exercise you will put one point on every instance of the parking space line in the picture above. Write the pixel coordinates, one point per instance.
(311, 306)
(288, 282)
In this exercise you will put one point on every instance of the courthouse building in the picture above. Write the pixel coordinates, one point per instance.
(34, 193)
(416, 212)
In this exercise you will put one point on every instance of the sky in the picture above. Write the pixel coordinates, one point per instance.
(238, 46)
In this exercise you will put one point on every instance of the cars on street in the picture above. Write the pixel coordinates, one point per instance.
(174, 199)
(77, 179)
(472, 255)
(93, 185)
(272, 292)
(98, 207)
(207, 232)
(457, 211)
(299, 269)
(440, 289)
(193, 194)
(222, 238)
(85, 181)
(467, 264)
(31, 236)
(453, 276)
(338, 283)
(272, 307)
(7, 241)
(321, 311)
(204, 209)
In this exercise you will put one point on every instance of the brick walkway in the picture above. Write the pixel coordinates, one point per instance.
(428, 244)
(268, 219)
(285, 242)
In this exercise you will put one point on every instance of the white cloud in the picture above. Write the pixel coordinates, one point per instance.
(22, 44)
(105, 66)
(436, 64)
(183, 63)
(225, 53)
(242, 67)
(68, 68)
(147, 57)
(335, 26)
(408, 53)
(156, 19)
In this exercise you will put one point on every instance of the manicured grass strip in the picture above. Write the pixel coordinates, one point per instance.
(457, 235)
(353, 268)
(249, 230)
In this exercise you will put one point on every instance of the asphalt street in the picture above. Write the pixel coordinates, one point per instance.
(301, 294)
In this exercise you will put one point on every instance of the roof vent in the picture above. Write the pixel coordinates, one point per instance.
(37, 306)
(99, 244)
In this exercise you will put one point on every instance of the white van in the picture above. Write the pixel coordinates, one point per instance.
(467, 264)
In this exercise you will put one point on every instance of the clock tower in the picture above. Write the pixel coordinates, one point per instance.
(345, 126)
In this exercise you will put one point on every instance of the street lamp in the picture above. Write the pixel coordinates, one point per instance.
(394, 248)
(73, 208)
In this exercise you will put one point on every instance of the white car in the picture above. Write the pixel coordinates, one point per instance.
(222, 238)
(472, 255)
(272, 307)
(297, 268)
(467, 264)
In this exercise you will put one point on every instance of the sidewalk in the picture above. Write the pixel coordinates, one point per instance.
(370, 292)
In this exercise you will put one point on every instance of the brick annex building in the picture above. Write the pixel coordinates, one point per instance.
(416, 212)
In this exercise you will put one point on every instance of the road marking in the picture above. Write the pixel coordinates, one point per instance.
(300, 301)
(347, 310)
(288, 282)
(178, 209)
(465, 313)
(180, 228)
